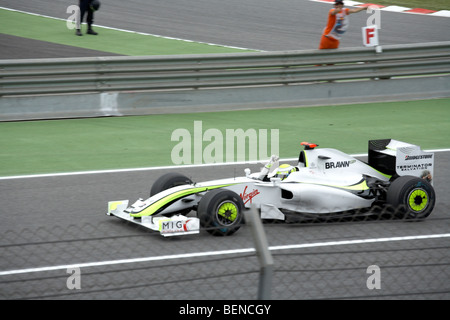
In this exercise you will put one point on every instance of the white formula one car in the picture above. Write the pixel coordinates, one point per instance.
(324, 182)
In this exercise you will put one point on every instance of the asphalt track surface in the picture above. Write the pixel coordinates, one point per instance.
(19, 48)
(255, 24)
(60, 221)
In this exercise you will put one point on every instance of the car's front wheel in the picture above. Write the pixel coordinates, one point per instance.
(169, 180)
(221, 212)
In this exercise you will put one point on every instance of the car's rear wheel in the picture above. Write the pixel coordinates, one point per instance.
(221, 212)
(411, 197)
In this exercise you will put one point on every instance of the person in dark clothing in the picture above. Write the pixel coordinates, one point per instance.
(87, 6)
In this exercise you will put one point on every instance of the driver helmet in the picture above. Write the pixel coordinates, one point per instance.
(284, 171)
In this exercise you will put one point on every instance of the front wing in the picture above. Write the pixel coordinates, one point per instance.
(167, 226)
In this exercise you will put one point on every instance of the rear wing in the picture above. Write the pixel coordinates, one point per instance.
(394, 157)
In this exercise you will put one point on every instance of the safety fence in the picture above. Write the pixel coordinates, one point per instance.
(116, 86)
(346, 258)
(113, 74)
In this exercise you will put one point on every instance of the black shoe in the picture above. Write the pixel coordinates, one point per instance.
(90, 31)
(78, 32)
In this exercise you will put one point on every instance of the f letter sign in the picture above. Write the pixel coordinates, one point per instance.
(370, 36)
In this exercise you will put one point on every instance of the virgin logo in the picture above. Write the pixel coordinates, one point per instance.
(246, 197)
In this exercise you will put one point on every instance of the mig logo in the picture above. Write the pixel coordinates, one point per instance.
(171, 225)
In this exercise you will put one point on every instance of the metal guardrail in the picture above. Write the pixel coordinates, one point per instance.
(124, 73)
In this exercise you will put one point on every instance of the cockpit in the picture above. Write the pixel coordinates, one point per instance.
(283, 171)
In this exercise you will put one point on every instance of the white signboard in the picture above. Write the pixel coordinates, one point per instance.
(370, 36)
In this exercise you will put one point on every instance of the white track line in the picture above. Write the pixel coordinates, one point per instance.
(223, 252)
(186, 166)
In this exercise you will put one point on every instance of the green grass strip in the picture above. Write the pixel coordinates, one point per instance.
(31, 147)
(109, 40)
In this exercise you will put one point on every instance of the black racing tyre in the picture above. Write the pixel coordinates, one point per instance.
(169, 180)
(221, 212)
(411, 197)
